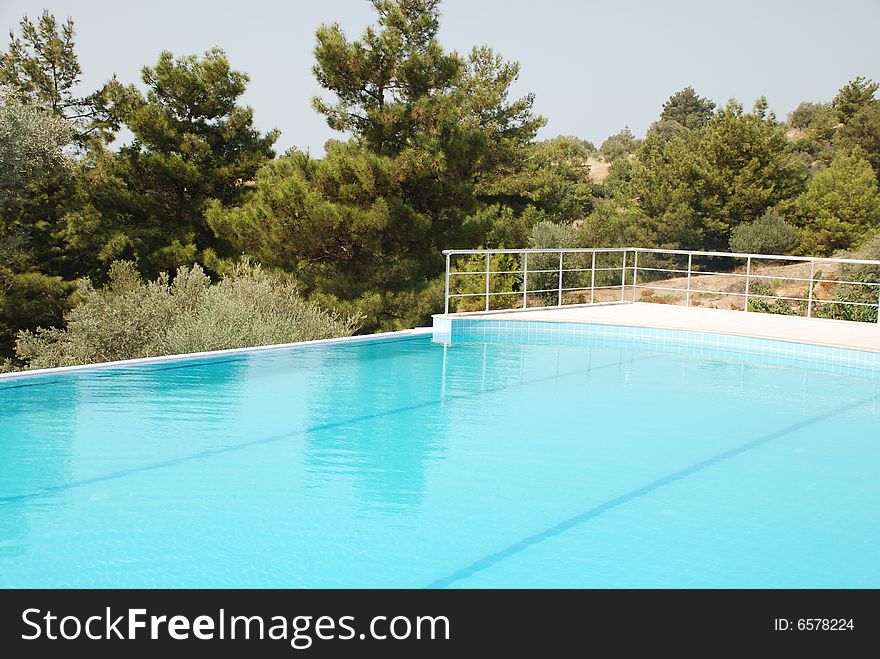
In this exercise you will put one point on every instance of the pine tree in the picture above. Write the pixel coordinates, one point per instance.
(853, 96)
(841, 206)
(688, 109)
(862, 131)
(41, 68)
(700, 184)
(193, 142)
(435, 137)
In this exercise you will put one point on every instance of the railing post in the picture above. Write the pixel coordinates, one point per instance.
(525, 279)
(748, 276)
(687, 297)
(878, 305)
(446, 293)
(488, 267)
(635, 273)
(623, 278)
(559, 302)
(810, 296)
(593, 280)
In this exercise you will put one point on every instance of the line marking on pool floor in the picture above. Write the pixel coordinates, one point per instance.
(520, 546)
(210, 453)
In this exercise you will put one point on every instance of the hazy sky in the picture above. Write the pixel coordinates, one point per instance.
(594, 66)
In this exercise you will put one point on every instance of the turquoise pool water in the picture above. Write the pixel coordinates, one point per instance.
(408, 463)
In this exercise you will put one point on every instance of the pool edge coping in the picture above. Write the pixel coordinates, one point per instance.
(209, 354)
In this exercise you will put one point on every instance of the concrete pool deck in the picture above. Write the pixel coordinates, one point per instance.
(821, 331)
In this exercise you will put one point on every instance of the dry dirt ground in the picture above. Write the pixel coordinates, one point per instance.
(598, 169)
(713, 291)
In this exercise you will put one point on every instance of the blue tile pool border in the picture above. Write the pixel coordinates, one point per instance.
(690, 342)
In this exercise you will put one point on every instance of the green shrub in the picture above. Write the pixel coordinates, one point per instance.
(770, 303)
(619, 178)
(688, 109)
(840, 207)
(30, 300)
(550, 235)
(811, 150)
(802, 116)
(131, 318)
(769, 234)
(31, 143)
(505, 277)
(853, 96)
(870, 251)
(617, 146)
(866, 295)
(863, 132)
(616, 222)
(863, 295)
(823, 123)
(664, 130)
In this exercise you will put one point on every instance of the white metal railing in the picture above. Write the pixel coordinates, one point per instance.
(629, 264)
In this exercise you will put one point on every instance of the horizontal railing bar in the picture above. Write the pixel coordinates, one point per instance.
(595, 288)
(651, 250)
(677, 290)
(684, 272)
(614, 269)
(815, 281)
(695, 274)
(712, 273)
(858, 304)
(805, 279)
(543, 290)
(680, 290)
(835, 281)
(484, 294)
(536, 250)
(504, 272)
(700, 291)
(667, 288)
(780, 277)
(663, 288)
(555, 271)
(738, 255)
(754, 295)
(753, 275)
(775, 297)
(484, 273)
(694, 290)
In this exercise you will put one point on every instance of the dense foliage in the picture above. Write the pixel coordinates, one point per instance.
(619, 146)
(31, 144)
(440, 155)
(688, 109)
(698, 185)
(131, 318)
(769, 234)
(840, 207)
(434, 152)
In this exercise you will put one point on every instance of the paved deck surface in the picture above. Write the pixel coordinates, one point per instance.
(840, 333)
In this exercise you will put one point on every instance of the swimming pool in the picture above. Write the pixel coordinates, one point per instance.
(407, 462)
